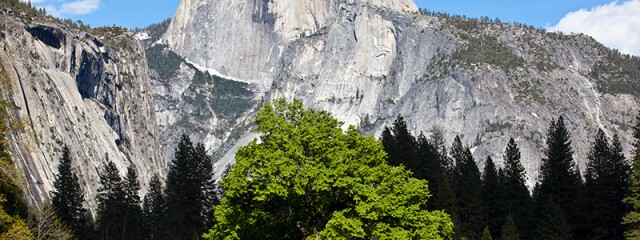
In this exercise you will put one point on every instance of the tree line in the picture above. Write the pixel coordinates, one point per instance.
(496, 203)
(308, 178)
(178, 208)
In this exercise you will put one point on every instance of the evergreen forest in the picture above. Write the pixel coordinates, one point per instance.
(307, 178)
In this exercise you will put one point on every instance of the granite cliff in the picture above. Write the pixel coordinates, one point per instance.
(88, 91)
(370, 61)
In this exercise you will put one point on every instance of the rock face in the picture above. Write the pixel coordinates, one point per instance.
(254, 32)
(68, 87)
(370, 61)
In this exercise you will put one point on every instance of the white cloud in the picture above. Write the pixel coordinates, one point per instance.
(614, 25)
(67, 8)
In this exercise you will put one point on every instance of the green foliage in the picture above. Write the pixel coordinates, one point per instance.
(553, 224)
(117, 38)
(164, 61)
(488, 50)
(133, 211)
(188, 192)
(309, 179)
(618, 73)
(468, 189)
(632, 218)
(509, 230)
(154, 208)
(561, 181)
(607, 184)
(447, 202)
(68, 197)
(111, 202)
(492, 197)
(401, 146)
(12, 227)
(225, 97)
(157, 30)
(45, 224)
(486, 234)
(517, 200)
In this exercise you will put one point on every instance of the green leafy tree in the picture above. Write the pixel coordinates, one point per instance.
(12, 227)
(606, 184)
(154, 208)
(631, 219)
(111, 203)
(560, 178)
(509, 229)
(68, 197)
(306, 178)
(188, 191)
(468, 189)
(517, 200)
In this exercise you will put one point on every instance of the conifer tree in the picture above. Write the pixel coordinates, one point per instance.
(447, 201)
(429, 168)
(401, 146)
(509, 229)
(491, 191)
(188, 191)
(111, 203)
(632, 218)
(468, 191)
(517, 200)
(486, 234)
(133, 222)
(553, 224)
(606, 184)
(68, 197)
(154, 208)
(560, 178)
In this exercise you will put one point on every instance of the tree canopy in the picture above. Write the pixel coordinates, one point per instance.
(307, 178)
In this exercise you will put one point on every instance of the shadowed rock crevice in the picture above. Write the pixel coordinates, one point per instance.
(53, 37)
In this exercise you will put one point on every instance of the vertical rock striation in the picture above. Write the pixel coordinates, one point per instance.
(68, 87)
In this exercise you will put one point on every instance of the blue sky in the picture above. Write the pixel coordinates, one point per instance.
(614, 23)
(141, 13)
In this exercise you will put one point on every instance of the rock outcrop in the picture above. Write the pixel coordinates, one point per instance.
(88, 92)
(370, 61)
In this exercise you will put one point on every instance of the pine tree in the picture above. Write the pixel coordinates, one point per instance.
(402, 147)
(486, 234)
(429, 167)
(632, 218)
(553, 224)
(560, 178)
(68, 197)
(189, 191)
(509, 230)
(154, 208)
(517, 200)
(133, 222)
(447, 202)
(111, 203)
(606, 185)
(468, 191)
(491, 191)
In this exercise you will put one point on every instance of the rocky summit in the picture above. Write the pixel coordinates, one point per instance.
(369, 61)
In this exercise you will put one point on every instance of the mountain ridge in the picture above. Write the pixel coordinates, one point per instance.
(478, 78)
